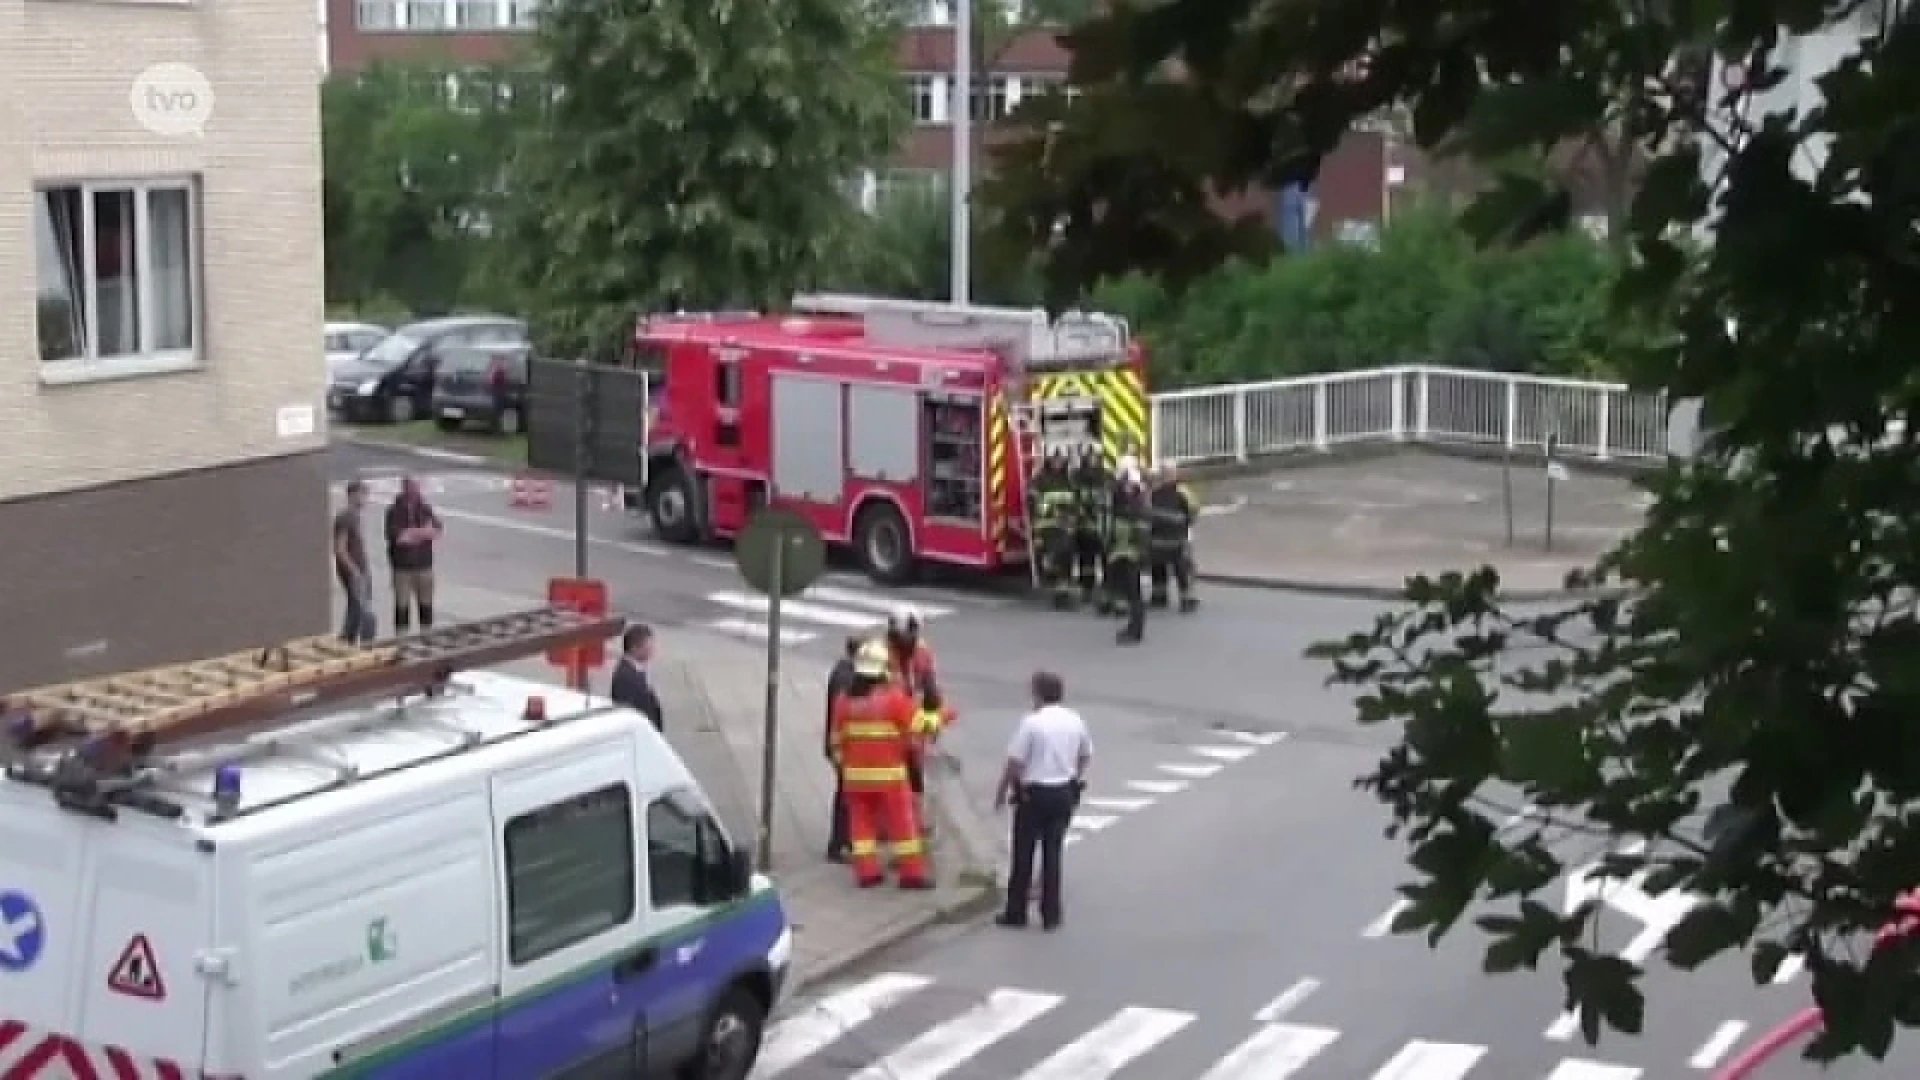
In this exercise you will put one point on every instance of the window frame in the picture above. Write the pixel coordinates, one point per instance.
(630, 852)
(923, 92)
(89, 365)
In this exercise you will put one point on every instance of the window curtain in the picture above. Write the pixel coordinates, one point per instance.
(170, 222)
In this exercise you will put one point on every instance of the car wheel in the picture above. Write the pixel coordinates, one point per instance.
(399, 409)
(671, 506)
(731, 1042)
(508, 422)
(885, 549)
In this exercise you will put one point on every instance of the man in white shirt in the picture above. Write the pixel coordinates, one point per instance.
(1046, 769)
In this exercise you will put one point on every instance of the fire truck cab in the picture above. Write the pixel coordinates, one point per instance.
(903, 430)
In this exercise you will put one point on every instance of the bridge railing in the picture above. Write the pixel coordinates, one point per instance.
(1416, 404)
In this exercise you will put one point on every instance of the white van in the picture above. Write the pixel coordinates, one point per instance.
(503, 881)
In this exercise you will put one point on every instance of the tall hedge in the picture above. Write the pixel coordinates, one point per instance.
(1426, 295)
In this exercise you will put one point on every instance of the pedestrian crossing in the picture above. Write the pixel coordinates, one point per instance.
(821, 610)
(900, 1026)
(1100, 810)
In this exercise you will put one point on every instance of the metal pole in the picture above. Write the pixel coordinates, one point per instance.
(582, 449)
(961, 177)
(1552, 445)
(770, 736)
(1506, 489)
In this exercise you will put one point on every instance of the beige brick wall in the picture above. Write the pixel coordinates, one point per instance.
(66, 71)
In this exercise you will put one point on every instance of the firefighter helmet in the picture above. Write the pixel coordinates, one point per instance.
(872, 660)
(904, 620)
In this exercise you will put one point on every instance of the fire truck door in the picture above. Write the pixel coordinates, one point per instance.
(731, 490)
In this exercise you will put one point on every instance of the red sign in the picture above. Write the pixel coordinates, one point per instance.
(588, 596)
(137, 973)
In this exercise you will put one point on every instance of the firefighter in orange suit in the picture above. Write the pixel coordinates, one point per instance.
(873, 742)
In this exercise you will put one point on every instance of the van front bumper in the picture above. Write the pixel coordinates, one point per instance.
(780, 961)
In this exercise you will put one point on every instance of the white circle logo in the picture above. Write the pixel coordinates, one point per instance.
(172, 99)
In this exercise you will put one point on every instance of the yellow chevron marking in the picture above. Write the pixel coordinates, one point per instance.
(1124, 418)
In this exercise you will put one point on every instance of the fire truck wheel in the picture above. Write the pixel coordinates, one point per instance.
(671, 506)
(880, 536)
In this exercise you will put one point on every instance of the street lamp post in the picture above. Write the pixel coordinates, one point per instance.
(961, 177)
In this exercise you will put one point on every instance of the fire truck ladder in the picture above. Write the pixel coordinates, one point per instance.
(93, 739)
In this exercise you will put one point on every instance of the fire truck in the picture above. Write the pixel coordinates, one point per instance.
(904, 430)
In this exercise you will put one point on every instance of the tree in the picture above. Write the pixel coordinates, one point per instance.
(692, 156)
(1742, 702)
(414, 156)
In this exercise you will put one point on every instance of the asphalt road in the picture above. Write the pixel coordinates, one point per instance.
(1228, 887)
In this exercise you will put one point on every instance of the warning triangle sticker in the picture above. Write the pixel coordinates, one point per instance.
(137, 973)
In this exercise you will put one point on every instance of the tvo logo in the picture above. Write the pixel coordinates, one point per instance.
(172, 99)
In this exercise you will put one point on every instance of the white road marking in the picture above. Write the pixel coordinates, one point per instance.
(854, 598)
(799, 609)
(758, 631)
(1191, 772)
(1112, 1046)
(1423, 1060)
(1238, 504)
(1789, 970)
(548, 531)
(805, 1034)
(1275, 1052)
(1573, 1069)
(943, 1049)
(1289, 1000)
(1123, 806)
(1254, 738)
(449, 455)
(1715, 1048)
(1564, 1027)
(1091, 822)
(1158, 787)
(1383, 925)
(1224, 753)
(713, 562)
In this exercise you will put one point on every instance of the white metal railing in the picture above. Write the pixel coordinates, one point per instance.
(1242, 421)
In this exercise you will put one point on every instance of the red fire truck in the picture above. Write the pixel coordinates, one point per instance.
(903, 430)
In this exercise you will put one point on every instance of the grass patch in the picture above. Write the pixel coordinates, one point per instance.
(510, 451)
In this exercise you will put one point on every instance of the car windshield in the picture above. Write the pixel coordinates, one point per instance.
(392, 351)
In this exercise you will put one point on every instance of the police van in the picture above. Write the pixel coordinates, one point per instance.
(241, 869)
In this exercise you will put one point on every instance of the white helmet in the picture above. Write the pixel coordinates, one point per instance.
(904, 620)
(1129, 469)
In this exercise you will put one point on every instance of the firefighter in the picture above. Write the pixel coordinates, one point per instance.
(1092, 491)
(1170, 538)
(873, 743)
(1126, 472)
(1053, 511)
(1125, 547)
(909, 659)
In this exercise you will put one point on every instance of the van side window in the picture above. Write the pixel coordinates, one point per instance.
(570, 872)
(687, 853)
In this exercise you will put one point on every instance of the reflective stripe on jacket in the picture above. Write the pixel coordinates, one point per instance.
(873, 737)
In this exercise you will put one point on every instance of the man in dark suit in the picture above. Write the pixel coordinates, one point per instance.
(837, 682)
(630, 684)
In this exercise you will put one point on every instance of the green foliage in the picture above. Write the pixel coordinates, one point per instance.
(904, 248)
(691, 155)
(1426, 296)
(1745, 704)
(413, 180)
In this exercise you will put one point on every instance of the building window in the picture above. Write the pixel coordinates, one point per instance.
(476, 14)
(931, 13)
(522, 14)
(427, 14)
(378, 14)
(925, 91)
(992, 98)
(117, 271)
(570, 872)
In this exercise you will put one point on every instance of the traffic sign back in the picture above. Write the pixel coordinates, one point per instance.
(137, 972)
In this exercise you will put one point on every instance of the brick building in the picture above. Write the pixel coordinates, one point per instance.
(162, 495)
(1357, 185)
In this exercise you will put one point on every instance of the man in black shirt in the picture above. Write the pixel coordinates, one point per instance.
(412, 527)
(630, 686)
(838, 680)
(350, 566)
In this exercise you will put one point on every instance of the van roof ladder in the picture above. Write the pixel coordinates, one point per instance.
(101, 728)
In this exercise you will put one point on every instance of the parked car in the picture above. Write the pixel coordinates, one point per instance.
(483, 387)
(347, 340)
(393, 381)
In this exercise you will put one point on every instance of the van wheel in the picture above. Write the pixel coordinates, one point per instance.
(731, 1043)
(671, 506)
(880, 536)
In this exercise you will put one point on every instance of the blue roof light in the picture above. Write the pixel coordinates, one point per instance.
(226, 787)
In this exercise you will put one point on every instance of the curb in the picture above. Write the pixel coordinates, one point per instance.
(1357, 591)
(390, 446)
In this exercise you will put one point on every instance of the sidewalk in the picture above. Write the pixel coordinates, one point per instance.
(713, 692)
(1361, 525)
